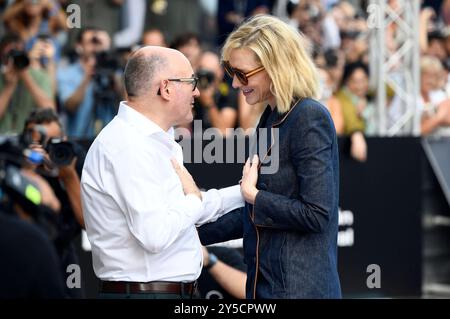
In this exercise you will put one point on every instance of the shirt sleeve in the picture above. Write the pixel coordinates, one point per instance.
(216, 203)
(67, 82)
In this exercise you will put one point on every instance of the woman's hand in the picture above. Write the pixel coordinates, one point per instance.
(249, 179)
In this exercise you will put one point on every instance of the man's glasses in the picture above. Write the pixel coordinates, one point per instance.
(242, 76)
(193, 80)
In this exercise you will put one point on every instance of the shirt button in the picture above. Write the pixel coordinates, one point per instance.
(269, 221)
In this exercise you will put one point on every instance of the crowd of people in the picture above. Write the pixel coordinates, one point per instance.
(65, 83)
(78, 72)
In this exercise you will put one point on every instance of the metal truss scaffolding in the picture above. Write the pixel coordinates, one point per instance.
(396, 68)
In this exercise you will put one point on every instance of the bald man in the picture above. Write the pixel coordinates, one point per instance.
(141, 206)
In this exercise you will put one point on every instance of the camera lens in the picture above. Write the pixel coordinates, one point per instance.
(60, 153)
(20, 59)
(205, 78)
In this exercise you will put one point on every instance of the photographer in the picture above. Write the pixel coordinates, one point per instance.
(62, 170)
(24, 84)
(89, 88)
(42, 57)
(217, 104)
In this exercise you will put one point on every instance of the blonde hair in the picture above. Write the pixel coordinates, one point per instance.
(283, 52)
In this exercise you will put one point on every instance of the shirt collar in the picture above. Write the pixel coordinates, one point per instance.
(142, 123)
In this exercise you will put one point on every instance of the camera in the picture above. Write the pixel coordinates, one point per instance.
(20, 59)
(106, 89)
(105, 68)
(331, 58)
(13, 156)
(205, 78)
(106, 61)
(350, 34)
(446, 64)
(61, 153)
(19, 190)
(44, 36)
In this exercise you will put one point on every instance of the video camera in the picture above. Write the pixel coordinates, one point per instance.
(18, 189)
(105, 68)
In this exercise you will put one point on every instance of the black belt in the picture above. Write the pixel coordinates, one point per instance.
(167, 287)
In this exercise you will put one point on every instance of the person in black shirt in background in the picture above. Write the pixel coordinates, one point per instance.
(29, 263)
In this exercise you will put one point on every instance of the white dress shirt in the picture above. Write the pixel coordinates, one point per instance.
(140, 224)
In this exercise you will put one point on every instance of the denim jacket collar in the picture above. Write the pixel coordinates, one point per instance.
(281, 117)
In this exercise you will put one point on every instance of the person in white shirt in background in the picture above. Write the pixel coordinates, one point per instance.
(133, 20)
(433, 103)
(141, 206)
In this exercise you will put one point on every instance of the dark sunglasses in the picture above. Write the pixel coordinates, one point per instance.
(242, 76)
(193, 80)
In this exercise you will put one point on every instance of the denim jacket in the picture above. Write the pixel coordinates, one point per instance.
(290, 233)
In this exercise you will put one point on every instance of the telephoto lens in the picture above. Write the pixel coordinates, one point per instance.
(20, 59)
(205, 78)
(61, 153)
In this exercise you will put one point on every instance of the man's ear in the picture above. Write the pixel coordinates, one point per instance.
(164, 89)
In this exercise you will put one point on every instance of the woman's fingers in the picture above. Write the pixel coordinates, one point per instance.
(255, 162)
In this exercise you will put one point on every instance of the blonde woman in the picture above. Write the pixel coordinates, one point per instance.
(290, 220)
